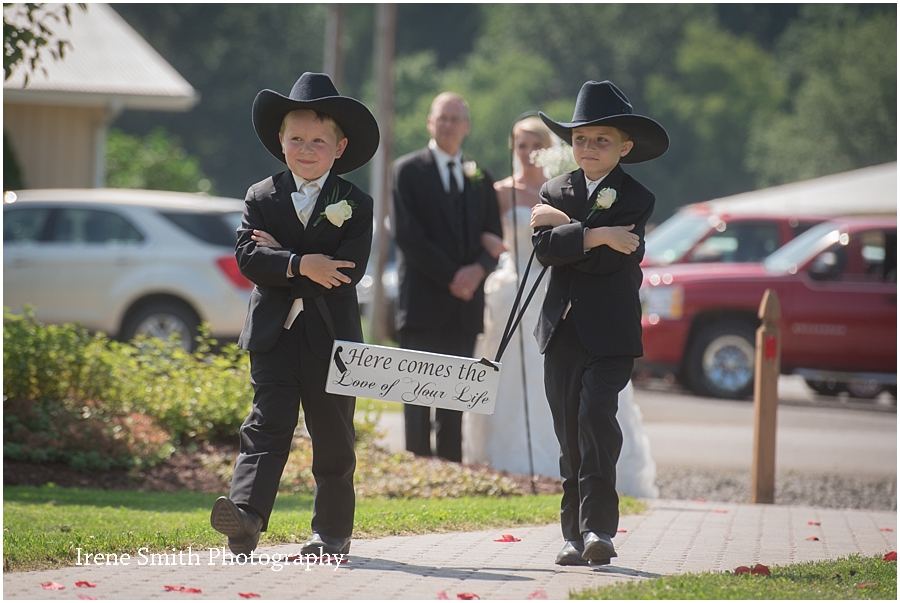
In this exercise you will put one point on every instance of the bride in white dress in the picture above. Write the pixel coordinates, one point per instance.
(502, 439)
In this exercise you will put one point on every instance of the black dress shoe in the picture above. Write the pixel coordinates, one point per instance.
(598, 548)
(320, 544)
(571, 554)
(242, 527)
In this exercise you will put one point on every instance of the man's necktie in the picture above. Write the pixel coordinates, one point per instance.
(303, 201)
(454, 185)
(459, 208)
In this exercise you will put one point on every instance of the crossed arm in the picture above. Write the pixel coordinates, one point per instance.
(319, 268)
(619, 238)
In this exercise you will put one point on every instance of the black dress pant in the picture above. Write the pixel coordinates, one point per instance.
(583, 392)
(447, 423)
(284, 378)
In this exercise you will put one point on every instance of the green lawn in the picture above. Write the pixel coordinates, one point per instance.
(44, 527)
(853, 578)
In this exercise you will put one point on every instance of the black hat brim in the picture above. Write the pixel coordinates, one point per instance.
(650, 139)
(354, 118)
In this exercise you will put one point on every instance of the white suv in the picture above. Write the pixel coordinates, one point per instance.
(125, 262)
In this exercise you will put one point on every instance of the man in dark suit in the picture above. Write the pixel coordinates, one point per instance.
(589, 228)
(304, 240)
(443, 204)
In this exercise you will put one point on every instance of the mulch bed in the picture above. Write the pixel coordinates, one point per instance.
(182, 472)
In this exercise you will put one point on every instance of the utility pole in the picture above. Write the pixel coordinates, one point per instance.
(385, 35)
(334, 59)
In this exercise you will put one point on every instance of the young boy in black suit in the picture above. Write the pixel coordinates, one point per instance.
(304, 241)
(590, 325)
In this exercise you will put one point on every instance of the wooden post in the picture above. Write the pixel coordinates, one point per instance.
(333, 59)
(765, 400)
(385, 38)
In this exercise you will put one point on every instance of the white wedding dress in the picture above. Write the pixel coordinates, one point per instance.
(501, 439)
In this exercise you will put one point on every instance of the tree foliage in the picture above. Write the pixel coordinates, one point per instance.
(27, 34)
(731, 83)
(155, 162)
(841, 113)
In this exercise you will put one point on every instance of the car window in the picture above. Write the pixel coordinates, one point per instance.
(673, 238)
(858, 258)
(24, 224)
(797, 251)
(212, 227)
(93, 226)
(865, 257)
(738, 242)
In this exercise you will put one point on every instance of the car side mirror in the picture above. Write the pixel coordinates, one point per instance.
(825, 267)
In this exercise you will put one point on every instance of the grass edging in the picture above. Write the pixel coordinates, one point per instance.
(44, 526)
(853, 577)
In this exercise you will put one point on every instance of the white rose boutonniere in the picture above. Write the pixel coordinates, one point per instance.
(605, 198)
(337, 211)
(472, 171)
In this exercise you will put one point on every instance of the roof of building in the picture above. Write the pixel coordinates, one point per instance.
(871, 190)
(106, 63)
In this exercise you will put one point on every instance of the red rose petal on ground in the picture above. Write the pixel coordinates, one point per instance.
(741, 569)
(191, 590)
(442, 595)
(813, 523)
(699, 500)
(621, 531)
(248, 595)
(175, 588)
(538, 594)
(84, 584)
(507, 538)
(813, 538)
(87, 597)
(760, 570)
(892, 556)
(865, 584)
(51, 586)
(886, 530)
(720, 511)
(467, 596)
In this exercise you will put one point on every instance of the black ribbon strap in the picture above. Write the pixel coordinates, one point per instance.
(513, 322)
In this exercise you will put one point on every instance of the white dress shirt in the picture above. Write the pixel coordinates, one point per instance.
(304, 216)
(442, 159)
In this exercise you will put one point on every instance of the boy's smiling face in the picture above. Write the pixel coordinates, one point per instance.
(310, 146)
(598, 149)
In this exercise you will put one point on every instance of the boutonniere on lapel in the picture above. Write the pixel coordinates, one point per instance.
(472, 172)
(605, 198)
(337, 211)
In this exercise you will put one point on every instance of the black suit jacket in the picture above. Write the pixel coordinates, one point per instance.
(268, 207)
(431, 250)
(602, 284)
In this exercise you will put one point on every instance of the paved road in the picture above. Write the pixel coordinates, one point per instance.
(689, 431)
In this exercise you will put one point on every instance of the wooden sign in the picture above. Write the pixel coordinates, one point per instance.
(413, 377)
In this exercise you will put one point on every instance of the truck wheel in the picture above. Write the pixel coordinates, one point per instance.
(720, 360)
(826, 387)
(162, 319)
(864, 389)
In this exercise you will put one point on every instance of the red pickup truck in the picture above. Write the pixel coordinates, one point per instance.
(837, 285)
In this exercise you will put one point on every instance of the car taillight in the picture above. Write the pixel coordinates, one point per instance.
(229, 266)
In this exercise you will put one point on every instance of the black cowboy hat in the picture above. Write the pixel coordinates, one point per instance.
(602, 104)
(316, 92)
